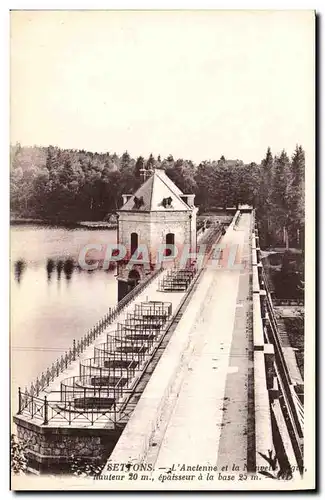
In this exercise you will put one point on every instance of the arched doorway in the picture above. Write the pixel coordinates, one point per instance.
(170, 240)
(133, 279)
(134, 242)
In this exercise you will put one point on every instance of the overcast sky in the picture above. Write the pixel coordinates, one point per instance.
(194, 84)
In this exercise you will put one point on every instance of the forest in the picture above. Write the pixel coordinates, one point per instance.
(59, 185)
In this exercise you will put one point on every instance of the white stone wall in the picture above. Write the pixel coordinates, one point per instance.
(178, 223)
(136, 222)
(153, 227)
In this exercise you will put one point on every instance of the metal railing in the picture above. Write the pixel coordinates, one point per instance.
(291, 406)
(288, 403)
(95, 391)
(57, 412)
(106, 379)
(109, 350)
(79, 346)
(102, 367)
(177, 280)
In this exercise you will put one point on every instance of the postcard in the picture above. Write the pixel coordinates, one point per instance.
(162, 175)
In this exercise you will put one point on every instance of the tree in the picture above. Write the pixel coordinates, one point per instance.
(150, 162)
(182, 173)
(279, 195)
(139, 165)
(81, 468)
(65, 184)
(205, 183)
(267, 174)
(253, 173)
(125, 160)
(297, 195)
(264, 202)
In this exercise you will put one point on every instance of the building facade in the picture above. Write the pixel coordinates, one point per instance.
(156, 222)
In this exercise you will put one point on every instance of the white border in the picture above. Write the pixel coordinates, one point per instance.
(4, 184)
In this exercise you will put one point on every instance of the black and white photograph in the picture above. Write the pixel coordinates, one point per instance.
(162, 239)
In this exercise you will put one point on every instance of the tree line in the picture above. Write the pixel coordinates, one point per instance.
(59, 185)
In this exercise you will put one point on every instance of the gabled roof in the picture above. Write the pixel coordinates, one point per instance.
(154, 191)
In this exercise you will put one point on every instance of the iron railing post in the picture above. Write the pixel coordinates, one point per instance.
(46, 419)
(19, 401)
(114, 410)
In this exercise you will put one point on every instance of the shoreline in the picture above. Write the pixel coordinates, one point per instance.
(63, 223)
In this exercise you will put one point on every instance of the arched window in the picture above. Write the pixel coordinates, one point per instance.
(134, 242)
(170, 240)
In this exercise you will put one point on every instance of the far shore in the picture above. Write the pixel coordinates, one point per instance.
(67, 223)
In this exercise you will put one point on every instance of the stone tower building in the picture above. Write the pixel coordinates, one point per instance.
(157, 214)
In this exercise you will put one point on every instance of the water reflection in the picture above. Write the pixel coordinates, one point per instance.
(20, 266)
(49, 268)
(68, 268)
(59, 267)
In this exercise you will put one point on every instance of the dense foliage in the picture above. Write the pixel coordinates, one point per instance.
(17, 455)
(81, 468)
(71, 185)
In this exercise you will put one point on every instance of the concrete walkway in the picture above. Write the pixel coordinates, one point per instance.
(203, 412)
(211, 411)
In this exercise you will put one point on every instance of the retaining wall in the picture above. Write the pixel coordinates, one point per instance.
(52, 449)
(263, 423)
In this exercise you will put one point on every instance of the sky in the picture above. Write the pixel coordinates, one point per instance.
(194, 84)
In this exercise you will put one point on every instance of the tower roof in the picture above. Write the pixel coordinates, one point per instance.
(158, 193)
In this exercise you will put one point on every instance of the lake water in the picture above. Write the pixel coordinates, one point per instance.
(53, 301)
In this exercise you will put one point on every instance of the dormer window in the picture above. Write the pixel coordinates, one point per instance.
(126, 198)
(138, 202)
(167, 202)
(188, 199)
